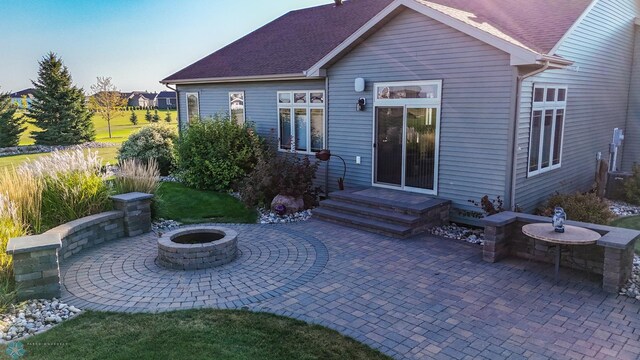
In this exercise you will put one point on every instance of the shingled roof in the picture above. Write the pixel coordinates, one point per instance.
(295, 42)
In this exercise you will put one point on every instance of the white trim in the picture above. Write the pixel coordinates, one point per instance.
(186, 97)
(427, 103)
(244, 108)
(543, 107)
(519, 54)
(574, 26)
(308, 106)
(300, 76)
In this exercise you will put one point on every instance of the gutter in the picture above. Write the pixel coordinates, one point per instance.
(177, 107)
(514, 150)
(298, 76)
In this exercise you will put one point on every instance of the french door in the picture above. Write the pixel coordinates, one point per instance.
(406, 140)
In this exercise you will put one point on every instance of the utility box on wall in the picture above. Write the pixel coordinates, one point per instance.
(615, 185)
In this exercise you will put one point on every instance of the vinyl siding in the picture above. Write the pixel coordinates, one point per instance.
(601, 47)
(261, 106)
(632, 141)
(477, 99)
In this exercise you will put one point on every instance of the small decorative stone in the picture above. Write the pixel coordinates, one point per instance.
(33, 316)
(632, 287)
(457, 232)
(623, 209)
(268, 217)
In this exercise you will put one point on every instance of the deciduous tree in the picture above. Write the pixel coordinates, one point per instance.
(106, 101)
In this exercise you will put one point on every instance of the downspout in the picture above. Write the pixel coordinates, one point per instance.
(514, 150)
(177, 107)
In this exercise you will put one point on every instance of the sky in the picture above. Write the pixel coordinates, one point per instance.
(135, 42)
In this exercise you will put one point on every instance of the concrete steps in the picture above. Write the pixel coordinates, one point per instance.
(388, 212)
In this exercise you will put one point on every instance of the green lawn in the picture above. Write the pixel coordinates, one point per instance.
(108, 155)
(189, 206)
(629, 222)
(192, 335)
(121, 127)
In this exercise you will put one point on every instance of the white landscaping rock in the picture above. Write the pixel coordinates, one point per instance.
(623, 209)
(268, 217)
(32, 317)
(457, 232)
(162, 226)
(632, 288)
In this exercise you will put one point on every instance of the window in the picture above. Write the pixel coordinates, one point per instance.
(547, 128)
(301, 120)
(193, 107)
(236, 106)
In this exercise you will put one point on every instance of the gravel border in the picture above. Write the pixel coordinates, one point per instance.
(33, 317)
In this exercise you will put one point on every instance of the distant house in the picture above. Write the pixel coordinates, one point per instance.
(456, 99)
(141, 99)
(166, 100)
(23, 98)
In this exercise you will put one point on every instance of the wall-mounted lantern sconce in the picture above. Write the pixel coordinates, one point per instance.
(359, 85)
(325, 155)
(361, 104)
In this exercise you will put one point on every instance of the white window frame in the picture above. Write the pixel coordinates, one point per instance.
(308, 106)
(544, 106)
(244, 106)
(187, 104)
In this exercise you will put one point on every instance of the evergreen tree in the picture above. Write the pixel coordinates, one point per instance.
(59, 108)
(148, 116)
(133, 118)
(11, 126)
(156, 117)
(167, 117)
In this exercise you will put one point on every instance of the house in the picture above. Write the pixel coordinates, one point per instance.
(23, 98)
(166, 100)
(452, 98)
(141, 99)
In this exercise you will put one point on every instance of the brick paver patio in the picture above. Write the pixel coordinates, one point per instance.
(419, 298)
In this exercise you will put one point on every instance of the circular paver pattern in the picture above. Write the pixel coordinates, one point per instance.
(124, 276)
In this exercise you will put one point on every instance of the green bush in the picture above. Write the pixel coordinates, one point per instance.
(216, 153)
(585, 207)
(152, 142)
(280, 174)
(632, 187)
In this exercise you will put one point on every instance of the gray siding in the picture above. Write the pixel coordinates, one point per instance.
(478, 87)
(261, 105)
(632, 140)
(602, 47)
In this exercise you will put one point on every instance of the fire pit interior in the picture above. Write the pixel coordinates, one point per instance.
(197, 248)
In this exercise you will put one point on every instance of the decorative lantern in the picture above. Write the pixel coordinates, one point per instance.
(558, 220)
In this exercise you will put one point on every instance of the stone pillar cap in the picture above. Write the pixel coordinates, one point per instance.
(131, 197)
(26, 244)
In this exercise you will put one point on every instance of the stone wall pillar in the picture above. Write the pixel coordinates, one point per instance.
(35, 266)
(617, 267)
(137, 212)
(498, 230)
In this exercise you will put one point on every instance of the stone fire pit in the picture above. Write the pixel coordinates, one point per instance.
(196, 248)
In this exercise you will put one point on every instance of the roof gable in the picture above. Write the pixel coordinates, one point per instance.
(302, 43)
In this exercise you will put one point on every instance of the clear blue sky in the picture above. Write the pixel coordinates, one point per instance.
(136, 42)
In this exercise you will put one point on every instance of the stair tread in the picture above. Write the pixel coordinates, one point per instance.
(362, 221)
(384, 214)
(418, 208)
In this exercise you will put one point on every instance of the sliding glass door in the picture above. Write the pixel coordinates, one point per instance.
(406, 138)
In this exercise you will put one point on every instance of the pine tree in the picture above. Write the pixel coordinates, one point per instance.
(156, 117)
(133, 118)
(167, 117)
(148, 116)
(58, 107)
(11, 126)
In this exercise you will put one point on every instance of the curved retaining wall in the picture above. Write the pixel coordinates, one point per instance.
(36, 258)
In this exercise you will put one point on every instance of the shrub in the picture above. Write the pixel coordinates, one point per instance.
(136, 176)
(280, 174)
(21, 191)
(155, 117)
(148, 116)
(489, 207)
(73, 186)
(133, 118)
(216, 153)
(585, 207)
(632, 187)
(152, 142)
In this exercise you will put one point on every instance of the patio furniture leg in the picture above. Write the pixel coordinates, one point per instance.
(557, 261)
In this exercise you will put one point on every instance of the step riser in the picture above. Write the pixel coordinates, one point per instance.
(338, 208)
(375, 205)
(361, 227)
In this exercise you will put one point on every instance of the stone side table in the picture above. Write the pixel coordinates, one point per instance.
(572, 235)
